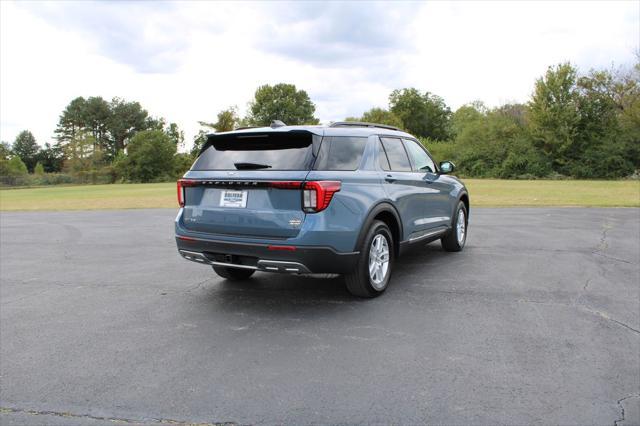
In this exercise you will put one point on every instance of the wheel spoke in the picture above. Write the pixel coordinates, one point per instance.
(461, 227)
(378, 260)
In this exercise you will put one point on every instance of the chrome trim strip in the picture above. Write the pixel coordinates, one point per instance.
(427, 235)
(287, 266)
(263, 265)
(233, 265)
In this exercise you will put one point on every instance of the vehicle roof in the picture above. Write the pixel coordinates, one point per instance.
(321, 130)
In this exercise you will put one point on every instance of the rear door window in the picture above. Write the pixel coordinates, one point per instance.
(396, 154)
(267, 151)
(340, 153)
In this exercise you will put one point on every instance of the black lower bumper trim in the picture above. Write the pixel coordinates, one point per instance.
(258, 256)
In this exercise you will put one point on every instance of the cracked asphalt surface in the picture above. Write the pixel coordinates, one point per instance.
(536, 322)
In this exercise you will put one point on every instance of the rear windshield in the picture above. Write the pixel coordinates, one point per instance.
(266, 151)
(340, 153)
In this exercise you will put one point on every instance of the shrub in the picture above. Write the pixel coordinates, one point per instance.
(182, 163)
(150, 157)
(38, 169)
(51, 179)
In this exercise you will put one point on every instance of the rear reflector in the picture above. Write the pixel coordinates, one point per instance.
(282, 248)
(180, 237)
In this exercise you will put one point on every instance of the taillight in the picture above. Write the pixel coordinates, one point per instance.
(182, 183)
(316, 195)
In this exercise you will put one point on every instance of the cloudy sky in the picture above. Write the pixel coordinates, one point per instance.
(186, 61)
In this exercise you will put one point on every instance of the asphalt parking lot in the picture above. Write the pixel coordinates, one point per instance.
(536, 322)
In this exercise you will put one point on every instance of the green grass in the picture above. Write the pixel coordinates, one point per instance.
(483, 192)
(90, 197)
(565, 193)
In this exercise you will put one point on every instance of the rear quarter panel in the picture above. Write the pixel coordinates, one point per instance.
(339, 225)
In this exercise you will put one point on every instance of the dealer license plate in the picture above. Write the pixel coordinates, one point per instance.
(233, 199)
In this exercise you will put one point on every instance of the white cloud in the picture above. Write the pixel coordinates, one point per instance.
(187, 61)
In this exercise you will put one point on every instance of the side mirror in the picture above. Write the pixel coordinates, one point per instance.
(447, 167)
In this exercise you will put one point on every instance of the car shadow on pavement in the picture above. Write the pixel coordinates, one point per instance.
(279, 292)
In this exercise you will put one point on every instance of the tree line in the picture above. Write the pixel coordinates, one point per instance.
(574, 125)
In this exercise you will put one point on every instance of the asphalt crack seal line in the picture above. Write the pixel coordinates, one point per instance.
(5, 410)
(622, 419)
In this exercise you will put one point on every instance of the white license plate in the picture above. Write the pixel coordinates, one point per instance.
(233, 199)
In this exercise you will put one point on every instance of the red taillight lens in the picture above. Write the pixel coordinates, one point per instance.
(317, 195)
(182, 183)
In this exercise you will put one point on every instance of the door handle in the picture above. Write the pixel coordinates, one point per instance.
(390, 178)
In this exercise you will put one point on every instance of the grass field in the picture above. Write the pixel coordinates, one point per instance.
(484, 192)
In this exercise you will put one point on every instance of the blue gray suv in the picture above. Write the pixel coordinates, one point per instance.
(346, 198)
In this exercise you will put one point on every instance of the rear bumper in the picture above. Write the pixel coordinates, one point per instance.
(302, 259)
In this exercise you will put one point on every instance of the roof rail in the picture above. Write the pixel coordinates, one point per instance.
(246, 127)
(362, 124)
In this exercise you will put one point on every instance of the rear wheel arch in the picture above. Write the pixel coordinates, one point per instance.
(386, 213)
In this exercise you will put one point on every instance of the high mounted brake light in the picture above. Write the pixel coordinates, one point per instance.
(317, 195)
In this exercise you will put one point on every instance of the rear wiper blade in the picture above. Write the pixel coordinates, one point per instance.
(251, 166)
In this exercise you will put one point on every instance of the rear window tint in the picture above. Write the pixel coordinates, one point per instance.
(396, 154)
(340, 153)
(268, 151)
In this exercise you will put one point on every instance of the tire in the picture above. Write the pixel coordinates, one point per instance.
(454, 241)
(360, 282)
(233, 274)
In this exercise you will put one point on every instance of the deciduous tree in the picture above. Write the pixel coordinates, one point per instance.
(379, 116)
(423, 114)
(555, 114)
(281, 102)
(150, 156)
